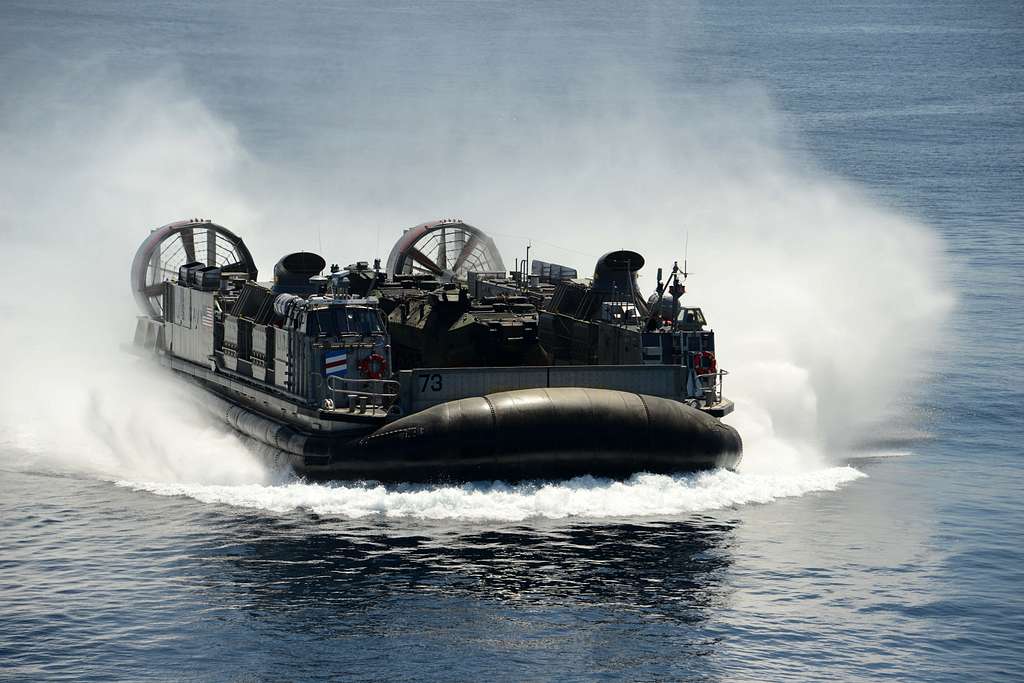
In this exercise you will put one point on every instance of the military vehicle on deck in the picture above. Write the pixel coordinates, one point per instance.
(604, 320)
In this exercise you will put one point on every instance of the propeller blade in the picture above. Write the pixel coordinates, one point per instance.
(464, 254)
(442, 250)
(419, 257)
(211, 247)
(154, 259)
(188, 240)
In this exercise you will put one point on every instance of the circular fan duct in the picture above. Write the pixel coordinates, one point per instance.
(447, 249)
(169, 247)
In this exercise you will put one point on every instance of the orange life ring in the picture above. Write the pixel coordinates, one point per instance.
(704, 363)
(373, 366)
(709, 362)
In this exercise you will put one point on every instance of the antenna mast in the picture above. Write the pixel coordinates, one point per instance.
(677, 289)
(686, 249)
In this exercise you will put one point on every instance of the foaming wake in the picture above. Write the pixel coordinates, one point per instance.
(587, 497)
(114, 416)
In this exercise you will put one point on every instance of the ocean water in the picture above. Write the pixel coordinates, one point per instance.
(845, 180)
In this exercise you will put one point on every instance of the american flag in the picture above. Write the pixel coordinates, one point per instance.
(336, 363)
(208, 316)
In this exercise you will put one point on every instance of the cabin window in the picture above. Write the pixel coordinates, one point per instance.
(344, 320)
(361, 320)
(692, 316)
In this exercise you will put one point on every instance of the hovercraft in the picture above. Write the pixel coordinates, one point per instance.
(443, 366)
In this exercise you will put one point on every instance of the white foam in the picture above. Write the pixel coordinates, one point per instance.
(587, 497)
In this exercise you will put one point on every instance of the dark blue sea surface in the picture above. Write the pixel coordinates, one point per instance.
(913, 572)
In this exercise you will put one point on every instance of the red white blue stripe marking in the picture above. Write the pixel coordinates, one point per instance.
(336, 363)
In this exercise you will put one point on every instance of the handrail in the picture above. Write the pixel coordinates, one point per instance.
(717, 373)
(716, 385)
(360, 393)
(388, 387)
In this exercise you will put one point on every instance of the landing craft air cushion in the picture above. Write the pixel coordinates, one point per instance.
(442, 366)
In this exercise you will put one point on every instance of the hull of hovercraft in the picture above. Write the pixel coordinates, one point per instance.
(551, 433)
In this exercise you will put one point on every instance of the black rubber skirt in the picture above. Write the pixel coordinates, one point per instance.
(554, 433)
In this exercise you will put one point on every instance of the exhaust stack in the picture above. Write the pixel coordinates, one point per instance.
(292, 273)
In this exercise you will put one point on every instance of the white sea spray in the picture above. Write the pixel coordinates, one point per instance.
(822, 300)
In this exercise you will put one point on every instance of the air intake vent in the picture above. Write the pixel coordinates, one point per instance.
(292, 273)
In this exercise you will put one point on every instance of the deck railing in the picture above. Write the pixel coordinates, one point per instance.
(358, 395)
(712, 388)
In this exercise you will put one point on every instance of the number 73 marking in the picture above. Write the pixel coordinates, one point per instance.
(431, 382)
